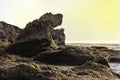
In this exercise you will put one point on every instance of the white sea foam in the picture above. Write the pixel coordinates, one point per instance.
(115, 67)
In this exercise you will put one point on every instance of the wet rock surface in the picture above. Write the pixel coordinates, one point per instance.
(29, 48)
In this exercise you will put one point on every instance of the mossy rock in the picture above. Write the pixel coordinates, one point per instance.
(4, 42)
(96, 71)
(53, 44)
(22, 71)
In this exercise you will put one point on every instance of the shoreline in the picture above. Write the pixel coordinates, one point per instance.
(115, 67)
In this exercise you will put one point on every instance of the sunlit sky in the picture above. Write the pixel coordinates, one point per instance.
(94, 21)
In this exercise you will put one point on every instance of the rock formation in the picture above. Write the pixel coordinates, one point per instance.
(9, 32)
(20, 68)
(73, 56)
(36, 36)
(39, 41)
(59, 36)
(114, 54)
(41, 26)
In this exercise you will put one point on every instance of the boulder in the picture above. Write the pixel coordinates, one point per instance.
(29, 48)
(36, 36)
(22, 71)
(8, 32)
(73, 56)
(59, 36)
(41, 27)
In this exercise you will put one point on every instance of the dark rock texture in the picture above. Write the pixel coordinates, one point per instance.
(73, 56)
(40, 28)
(9, 32)
(95, 71)
(114, 54)
(26, 69)
(36, 36)
(14, 67)
(59, 36)
(21, 71)
(30, 48)
(47, 61)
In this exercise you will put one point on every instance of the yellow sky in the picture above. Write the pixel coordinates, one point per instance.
(84, 20)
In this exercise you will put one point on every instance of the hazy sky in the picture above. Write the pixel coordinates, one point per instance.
(84, 20)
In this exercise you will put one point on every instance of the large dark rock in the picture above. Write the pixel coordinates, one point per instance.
(36, 36)
(9, 32)
(41, 27)
(29, 48)
(59, 36)
(73, 56)
(22, 71)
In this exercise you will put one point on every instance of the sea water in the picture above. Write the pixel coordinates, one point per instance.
(115, 67)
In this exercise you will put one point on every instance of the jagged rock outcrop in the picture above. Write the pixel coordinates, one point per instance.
(41, 26)
(46, 61)
(9, 32)
(36, 36)
(59, 36)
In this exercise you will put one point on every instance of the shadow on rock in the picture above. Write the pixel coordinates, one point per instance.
(72, 56)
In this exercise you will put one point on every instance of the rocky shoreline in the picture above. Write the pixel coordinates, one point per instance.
(38, 52)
